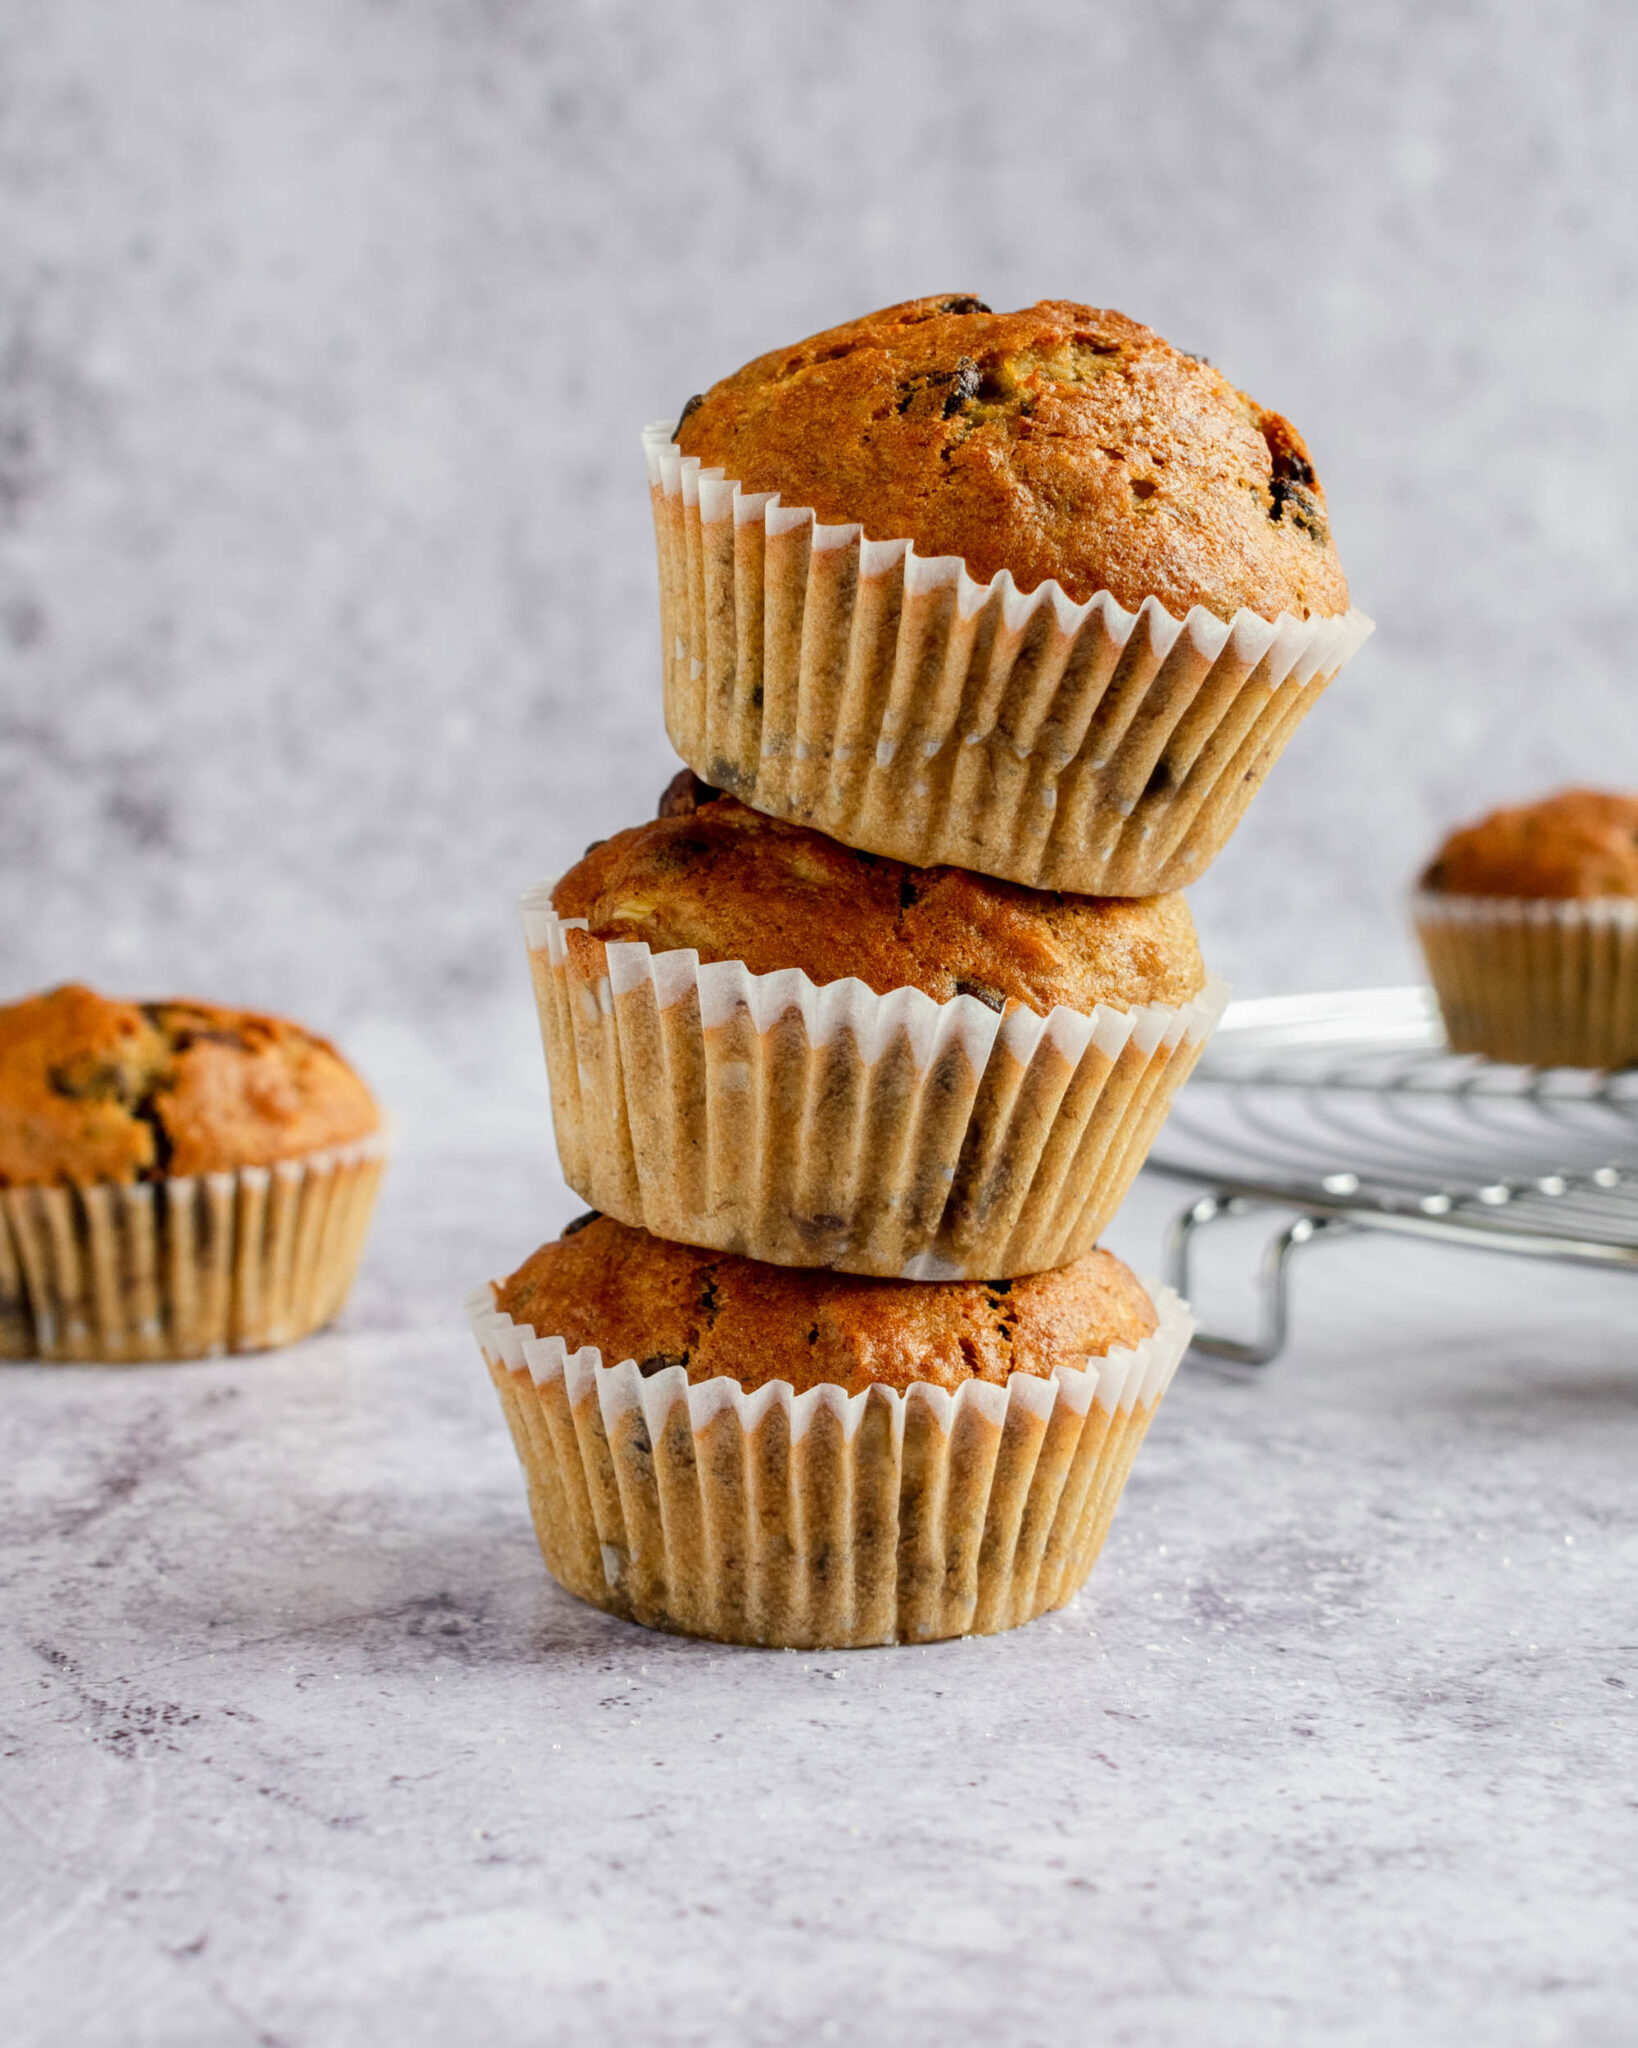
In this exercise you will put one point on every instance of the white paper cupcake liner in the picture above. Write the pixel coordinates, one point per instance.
(1533, 981)
(889, 700)
(894, 1135)
(821, 1520)
(187, 1266)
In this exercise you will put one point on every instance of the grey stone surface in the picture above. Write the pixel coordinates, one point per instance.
(299, 1745)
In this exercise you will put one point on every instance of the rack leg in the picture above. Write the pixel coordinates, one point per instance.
(1273, 1289)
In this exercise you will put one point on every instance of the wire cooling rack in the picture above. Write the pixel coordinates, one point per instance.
(1352, 1110)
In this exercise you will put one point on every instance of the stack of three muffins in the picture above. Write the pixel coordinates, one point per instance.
(857, 1047)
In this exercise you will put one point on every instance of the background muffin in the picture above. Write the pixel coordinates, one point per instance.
(1529, 923)
(176, 1178)
(765, 1042)
(1061, 442)
(780, 1457)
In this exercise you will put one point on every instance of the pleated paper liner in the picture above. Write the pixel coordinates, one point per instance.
(893, 1135)
(1543, 983)
(188, 1266)
(822, 1520)
(887, 699)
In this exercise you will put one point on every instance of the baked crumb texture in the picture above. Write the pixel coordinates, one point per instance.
(1061, 443)
(769, 1463)
(176, 1179)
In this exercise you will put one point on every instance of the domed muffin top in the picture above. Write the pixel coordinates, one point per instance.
(642, 1297)
(96, 1089)
(1058, 442)
(712, 874)
(1579, 843)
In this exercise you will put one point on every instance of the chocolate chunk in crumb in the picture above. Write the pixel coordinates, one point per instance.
(963, 386)
(1292, 468)
(991, 998)
(578, 1223)
(661, 1361)
(962, 305)
(684, 794)
(698, 399)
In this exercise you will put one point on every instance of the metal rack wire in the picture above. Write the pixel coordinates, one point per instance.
(1351, 1110)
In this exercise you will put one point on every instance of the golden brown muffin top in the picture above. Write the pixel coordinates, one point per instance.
(96, 1089)
(642, 1297)
(715, 875)
(1058, 442)
(1579, 843)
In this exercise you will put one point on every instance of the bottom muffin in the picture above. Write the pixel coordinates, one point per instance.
(816, 1460)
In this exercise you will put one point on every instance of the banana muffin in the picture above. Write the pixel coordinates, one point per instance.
(769, 1043)
(663, 1304)
(1580, 843)
(1031, 593)
(176, 1177)
(96, 1089)
(733, 884)
(1529, 924)
(1061, 442)
(764, 1456)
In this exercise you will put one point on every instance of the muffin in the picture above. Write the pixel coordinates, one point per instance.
(1529, 922)
(176, 1179)
(814, 1460)
(1033, 593)
(766, 1042)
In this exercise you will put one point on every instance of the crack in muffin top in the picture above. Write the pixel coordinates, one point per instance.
(1060, 442)
(93, 1088)
(1580, 843)
(714, 875)
(715, 1314)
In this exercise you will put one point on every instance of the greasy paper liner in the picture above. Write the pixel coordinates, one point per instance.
(822, 1520)
(188, 1266)
(1542, 983)
(888, 699)
(832, 1126)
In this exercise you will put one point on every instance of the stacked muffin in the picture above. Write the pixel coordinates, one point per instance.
(979, 633)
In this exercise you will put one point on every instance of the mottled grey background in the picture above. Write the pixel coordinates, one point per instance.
(326, 585)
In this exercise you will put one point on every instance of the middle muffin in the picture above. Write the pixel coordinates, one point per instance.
(766, 1042)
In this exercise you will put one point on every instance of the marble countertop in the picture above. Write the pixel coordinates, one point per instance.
(299, 1745)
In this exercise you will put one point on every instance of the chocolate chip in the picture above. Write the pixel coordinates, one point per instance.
(578, 1223)
(593, 846)
(1292, 468)
(1304, 511)
(963, 387)
(696, 401)
(962, 305)
(908, 892)
(683, 795)
(991, 998)
(661, 1361)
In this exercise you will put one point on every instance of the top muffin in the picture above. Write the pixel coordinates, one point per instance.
(1579, 843)
(96, 1089)
(711, 874)
(1061, 442)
